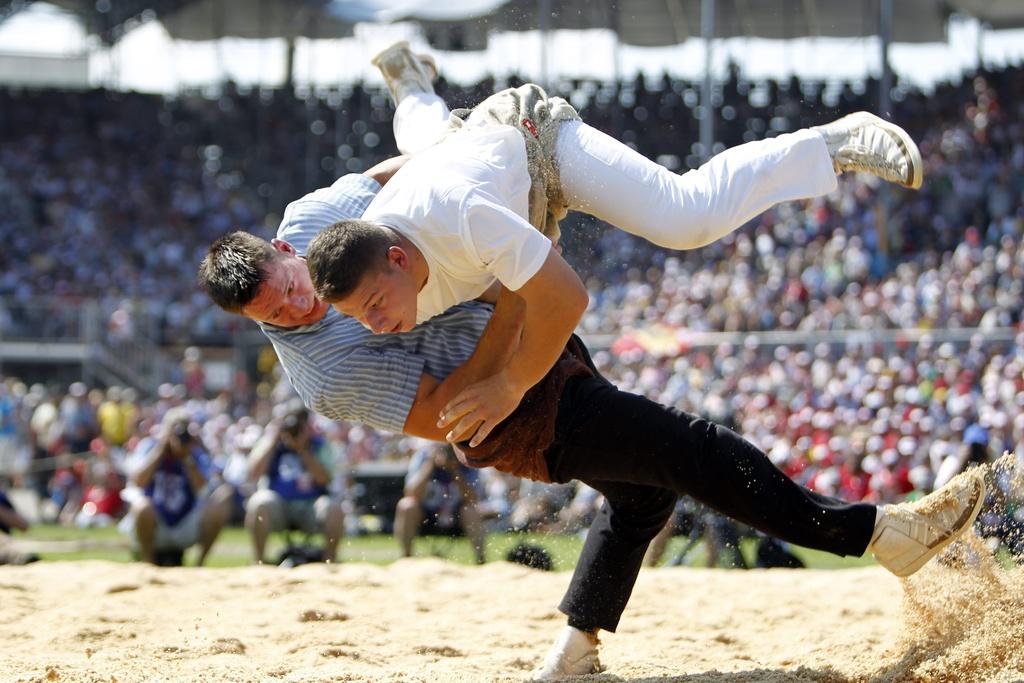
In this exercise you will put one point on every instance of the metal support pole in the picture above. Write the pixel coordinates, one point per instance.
(885, 36)
(979, 47)
(544, 24)
(289, 65)
(884, 109)
(615, 20)
(312, 142)
(707, 120)
(218, 41)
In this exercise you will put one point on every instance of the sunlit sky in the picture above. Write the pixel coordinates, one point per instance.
(148, 60)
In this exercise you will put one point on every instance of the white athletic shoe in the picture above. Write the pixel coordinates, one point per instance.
(405, 73)
(573, 654)
(909, 534)
(863, 142)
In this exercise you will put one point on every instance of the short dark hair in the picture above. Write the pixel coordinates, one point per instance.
(233, 269)
(343, 253)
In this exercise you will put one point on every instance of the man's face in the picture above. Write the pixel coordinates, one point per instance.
(385, 300)
(286, 298)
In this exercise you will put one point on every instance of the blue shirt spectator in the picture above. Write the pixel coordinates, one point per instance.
(170, 489)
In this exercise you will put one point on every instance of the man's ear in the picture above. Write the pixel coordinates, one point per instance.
(283, 246)
(398, 257)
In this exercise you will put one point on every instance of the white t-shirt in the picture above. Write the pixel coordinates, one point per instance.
(464, 204)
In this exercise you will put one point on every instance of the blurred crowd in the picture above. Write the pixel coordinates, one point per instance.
(115, 197)
(92, 457)
(848, 420)
(844, 420)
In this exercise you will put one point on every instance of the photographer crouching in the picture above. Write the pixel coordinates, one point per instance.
(292, 466)
(172, 509)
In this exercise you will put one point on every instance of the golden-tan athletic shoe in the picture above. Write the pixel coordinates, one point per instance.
(405, 73)
(866, 143)
(573, 654)
(907, 535)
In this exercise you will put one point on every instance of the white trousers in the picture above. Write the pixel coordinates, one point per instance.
(606, 179)
(420, 120)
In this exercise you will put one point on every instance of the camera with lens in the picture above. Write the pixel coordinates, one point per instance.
(294, 422)
(181, 433)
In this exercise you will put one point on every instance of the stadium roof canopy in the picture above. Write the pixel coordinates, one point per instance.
(668, 22)
(637, 22)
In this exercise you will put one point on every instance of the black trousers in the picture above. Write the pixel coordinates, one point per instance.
(642, 456)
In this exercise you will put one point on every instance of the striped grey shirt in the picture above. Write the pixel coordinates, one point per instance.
(338, 367)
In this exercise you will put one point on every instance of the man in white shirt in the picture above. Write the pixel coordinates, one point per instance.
(464, 213)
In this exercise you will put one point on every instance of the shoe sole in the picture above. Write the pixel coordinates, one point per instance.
(400, 46)
(965, 522)
(915, 169)
(541, 675)
(427, 61)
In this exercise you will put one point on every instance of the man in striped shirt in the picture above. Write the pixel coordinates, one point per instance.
(338, 367)
(572, 425)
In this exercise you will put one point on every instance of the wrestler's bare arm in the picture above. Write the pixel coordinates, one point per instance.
(547, 325)
(490, 295)
(383, 171)
(497, 344)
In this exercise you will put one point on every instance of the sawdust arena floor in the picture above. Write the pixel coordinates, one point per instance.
(428, 620)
